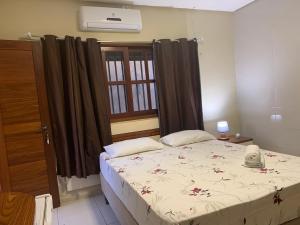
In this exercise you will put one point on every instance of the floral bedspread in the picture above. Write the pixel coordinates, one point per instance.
(206, 184)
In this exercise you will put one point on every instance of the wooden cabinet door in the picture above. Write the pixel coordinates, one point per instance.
(26, 151)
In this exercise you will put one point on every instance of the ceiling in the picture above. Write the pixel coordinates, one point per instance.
(214, 5)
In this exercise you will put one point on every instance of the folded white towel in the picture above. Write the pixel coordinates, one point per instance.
(253, 157)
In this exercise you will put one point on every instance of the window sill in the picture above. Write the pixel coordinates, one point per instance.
(136, 117)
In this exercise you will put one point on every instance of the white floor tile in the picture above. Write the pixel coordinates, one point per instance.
(55, 217)
(105, 210)
(116, 223)
(80, 212)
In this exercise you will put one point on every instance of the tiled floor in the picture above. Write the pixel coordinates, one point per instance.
(89, 211)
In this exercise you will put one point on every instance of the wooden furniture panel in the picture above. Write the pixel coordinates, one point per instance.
(24, 148)
(136, 134)
(16, 93)
(30, 178)
(13, 45)
(4, 176)
(21, 128)
(45, 118)
(23, 111)
(240, 140)
(16, 209)
(16, 66)
(26, 154)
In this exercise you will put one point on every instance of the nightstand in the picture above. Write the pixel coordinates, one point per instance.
(242, 140)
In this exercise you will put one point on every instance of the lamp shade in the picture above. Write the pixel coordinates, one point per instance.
(222, 126)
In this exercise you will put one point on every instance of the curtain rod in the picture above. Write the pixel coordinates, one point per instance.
(199, 40)
(30, 36)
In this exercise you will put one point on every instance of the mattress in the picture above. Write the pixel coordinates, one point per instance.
(205, 183)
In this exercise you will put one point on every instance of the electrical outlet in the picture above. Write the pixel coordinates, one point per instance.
(276, 117)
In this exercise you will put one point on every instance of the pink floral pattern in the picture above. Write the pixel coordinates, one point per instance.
(137, 158)
(181, 157)
(146, 190)
(266, 170)
(181, 185)
(186, 148)
(218, 170)
(160, 171)
(277, 198)
(121, 170)
(269, 154)
(199, 191)
(217, 156)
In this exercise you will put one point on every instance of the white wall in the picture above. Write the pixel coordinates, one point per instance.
(59, 17)
(216, 55)
(267, 56)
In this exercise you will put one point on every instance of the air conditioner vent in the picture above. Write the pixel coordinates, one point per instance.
(110, 19)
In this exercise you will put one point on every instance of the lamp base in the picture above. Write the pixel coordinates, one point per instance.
(223, 137)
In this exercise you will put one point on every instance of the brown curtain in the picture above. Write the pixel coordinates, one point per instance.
(78, 103)
(178, 85)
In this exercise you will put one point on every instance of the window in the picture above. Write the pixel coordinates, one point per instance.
(130, 79)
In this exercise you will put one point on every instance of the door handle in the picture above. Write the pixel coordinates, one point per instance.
(46, 134)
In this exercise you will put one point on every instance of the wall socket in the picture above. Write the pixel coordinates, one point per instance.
(276, 117)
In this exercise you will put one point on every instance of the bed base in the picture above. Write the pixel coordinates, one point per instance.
(121, 212)
(125, 217)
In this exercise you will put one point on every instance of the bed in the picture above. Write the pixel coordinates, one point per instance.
(202, 183)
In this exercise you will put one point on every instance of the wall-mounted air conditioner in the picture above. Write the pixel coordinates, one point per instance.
(109, 19)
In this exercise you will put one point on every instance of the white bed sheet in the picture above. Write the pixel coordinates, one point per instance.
(205, 183)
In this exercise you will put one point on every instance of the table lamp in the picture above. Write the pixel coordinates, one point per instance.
(222, 128)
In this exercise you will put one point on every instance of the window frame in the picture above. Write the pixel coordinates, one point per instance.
(125, 48)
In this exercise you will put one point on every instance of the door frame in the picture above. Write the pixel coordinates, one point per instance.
(4, 171)
(37, 52)
(36, 48)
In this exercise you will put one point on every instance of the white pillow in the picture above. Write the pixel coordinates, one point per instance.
(132, 146)
(186, 137)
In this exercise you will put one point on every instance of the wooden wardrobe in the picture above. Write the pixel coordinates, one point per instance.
(27, 159)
